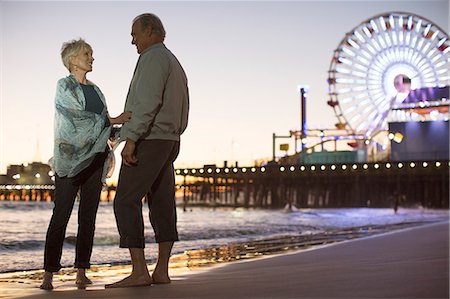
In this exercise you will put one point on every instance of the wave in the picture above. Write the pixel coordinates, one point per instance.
(21, 245)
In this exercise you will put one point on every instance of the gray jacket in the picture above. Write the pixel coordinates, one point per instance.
(158, 97)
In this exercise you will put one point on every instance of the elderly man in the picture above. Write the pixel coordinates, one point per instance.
(158, 98)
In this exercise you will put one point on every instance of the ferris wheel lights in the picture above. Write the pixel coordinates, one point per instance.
(353, 43)
(359, 36)
(442, 41)
(367, 32)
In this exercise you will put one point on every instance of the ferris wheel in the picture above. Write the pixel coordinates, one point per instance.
(373, 56)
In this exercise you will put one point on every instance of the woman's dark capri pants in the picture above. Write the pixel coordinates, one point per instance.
(154, 177)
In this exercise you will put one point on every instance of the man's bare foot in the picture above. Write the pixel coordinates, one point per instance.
(132, 281)
(160, 278)
(47, 281)
(81, 277)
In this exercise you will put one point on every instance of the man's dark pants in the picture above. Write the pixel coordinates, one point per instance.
(154, 177)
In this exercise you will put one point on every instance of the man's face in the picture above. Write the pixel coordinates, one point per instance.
(140, 38)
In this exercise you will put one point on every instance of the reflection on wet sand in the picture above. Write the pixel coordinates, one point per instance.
(246, 250)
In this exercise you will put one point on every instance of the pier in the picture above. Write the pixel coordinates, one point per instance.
(378, 185)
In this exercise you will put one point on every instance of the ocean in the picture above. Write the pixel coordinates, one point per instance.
(24, 224)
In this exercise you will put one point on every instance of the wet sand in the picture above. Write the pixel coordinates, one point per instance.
(409, 263)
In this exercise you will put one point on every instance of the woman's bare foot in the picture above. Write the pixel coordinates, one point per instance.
(81, 277)
(47, 281)
(133, 280)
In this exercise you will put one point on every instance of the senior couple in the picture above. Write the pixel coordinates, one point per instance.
(156, 114)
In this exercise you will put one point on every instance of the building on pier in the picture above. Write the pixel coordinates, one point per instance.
(28, 181)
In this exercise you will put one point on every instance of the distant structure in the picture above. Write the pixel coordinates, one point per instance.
(34, 181)
(389, 88)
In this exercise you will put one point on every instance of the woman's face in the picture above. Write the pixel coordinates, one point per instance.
(83, 60)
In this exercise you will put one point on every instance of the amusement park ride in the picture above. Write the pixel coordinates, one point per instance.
(390, 70)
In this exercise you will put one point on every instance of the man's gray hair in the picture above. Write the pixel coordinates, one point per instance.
(72, 48)
(149, 20)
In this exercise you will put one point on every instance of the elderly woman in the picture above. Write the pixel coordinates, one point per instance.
(82, 129)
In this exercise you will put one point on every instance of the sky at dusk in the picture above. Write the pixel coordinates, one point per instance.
(244, 61)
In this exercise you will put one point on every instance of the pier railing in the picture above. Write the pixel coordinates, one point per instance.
(382, 184)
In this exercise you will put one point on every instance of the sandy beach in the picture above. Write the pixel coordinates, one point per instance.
(409, 263)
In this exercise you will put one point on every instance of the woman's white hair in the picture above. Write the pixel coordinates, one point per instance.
(72, 48)
(149, 20)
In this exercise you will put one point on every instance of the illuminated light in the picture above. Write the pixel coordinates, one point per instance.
(352, 43)
(374, 25)
(347, 51)
(292, 168)
(365, 166)
(253, 169)
(193, 171)
(244, 169)
(53, 178)
(217, 170)
(367, 32)
(263, 169)
(235, 170)
(209, 170)
(282, 168)
(178, 171)
(302, 168)
(355, 166)
(345, 61)
(400, 165)
(438, 65)
(391, 136)
(359, 36)
(434, 114)
(367, 142)
(304, 140)
(438, 164)
(227, 170)
(425, 164)
(344, 167)
(376, 166)
(201, 170)
(412, 164)
(333, 167)
(313, 167)
(51, 173)
(388, 165)
(25, 164)
(37, 175)
(322, 167)
(343, 70)
(398, 137)
(343, 80)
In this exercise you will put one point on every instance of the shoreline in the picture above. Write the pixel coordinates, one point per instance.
(23, 283)
(261, 246)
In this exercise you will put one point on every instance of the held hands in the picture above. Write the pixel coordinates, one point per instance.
(128, 153)
(121, 119)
